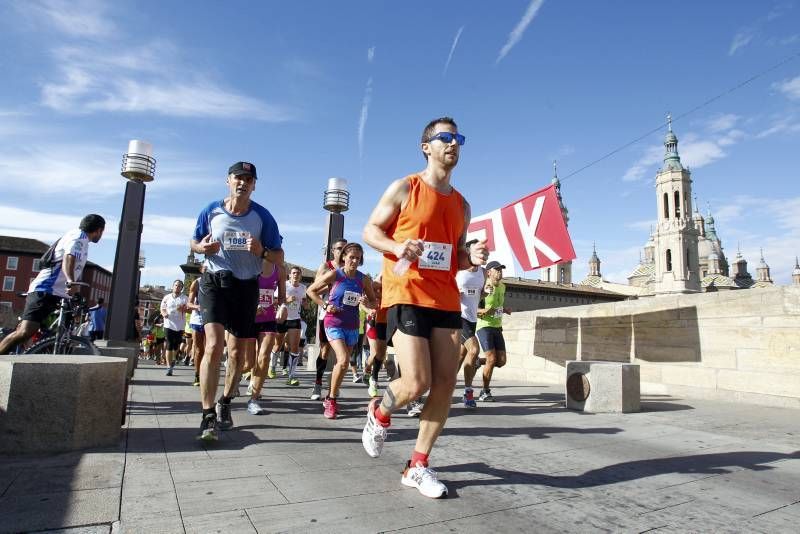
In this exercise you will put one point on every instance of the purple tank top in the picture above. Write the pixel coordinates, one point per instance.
(267, 295)
(344, 294)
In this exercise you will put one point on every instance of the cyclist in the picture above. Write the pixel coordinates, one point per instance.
(55, 281)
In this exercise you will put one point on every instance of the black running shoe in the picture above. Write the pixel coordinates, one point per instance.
(224, 416)
(208, 428)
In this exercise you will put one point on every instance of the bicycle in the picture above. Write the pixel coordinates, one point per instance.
(63, 341)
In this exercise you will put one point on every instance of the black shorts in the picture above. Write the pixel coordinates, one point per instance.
(174, 338)
(491, 338)
(282, 327)
(38, 305)
(160, 340)
(418, 321)
(380, 331)
(294, 324)
(321, 336)
(229, 301)
(467, 330)
(267, 327)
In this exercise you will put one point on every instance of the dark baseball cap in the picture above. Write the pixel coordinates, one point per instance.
(495, 265)
(243, 167)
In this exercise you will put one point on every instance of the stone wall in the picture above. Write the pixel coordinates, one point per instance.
(737, 345)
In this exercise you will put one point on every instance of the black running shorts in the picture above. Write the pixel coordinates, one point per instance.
(491, 338)
(233, 306)
(418, 321)
(467, 330)
(38, 305)
(174, 338)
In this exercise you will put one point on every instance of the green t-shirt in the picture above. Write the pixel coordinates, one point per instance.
(158, 331)
(495, 299)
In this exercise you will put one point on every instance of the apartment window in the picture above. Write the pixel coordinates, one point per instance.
(12, 262)
(5, 305)
(8, 283)
(37, 265)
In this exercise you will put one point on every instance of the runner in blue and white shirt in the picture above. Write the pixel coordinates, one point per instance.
(235, 234)
(53, 282)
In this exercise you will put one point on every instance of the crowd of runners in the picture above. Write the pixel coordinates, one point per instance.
(436, 301)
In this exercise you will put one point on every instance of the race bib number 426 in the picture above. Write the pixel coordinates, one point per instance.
(436, 256)
(235, 240)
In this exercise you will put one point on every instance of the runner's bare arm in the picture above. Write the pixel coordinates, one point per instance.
(281, 283)
(382, 217)
(316, 289)
(477, 253)
(192, 304)
(205, 246)
(371, 300)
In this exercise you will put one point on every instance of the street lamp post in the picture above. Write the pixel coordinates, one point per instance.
(138, 166)
(336, 200)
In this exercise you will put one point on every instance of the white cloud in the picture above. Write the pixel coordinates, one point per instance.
(696, 152)
(110, 78)
(370, 54)
(646, 225)
(783, 124)
(362, 120)
(742, 38)
(519, 30)
(452, 49)
(789, 88)
(646, 164)
(722, 122)
(76, 18)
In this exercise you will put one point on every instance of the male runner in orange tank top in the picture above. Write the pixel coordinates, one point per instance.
(421, 222)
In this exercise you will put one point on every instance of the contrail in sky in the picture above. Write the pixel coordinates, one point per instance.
(452, 49)
(362, 123)
(517, 33)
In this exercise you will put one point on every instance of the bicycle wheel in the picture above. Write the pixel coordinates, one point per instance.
(75, 345)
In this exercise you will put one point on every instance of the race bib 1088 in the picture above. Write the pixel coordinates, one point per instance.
(235, 240)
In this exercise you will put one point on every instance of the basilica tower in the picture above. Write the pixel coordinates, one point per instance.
(676, 262)
(561, 272)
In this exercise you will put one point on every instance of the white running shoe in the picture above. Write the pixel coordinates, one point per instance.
(415, 408)
(250, 388)
(254, 408)
(357, 378)
(425, 480)
(317, 392)
(374, 435)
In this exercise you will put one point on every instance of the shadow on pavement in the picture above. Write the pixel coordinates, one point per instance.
(702, 464)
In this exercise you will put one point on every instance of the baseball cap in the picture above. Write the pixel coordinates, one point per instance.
(243, 167)
(495, 265)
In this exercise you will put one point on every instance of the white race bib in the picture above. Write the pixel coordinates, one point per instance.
(436, 256)
(498, 313)
(471, 291)
(235, 240)
(265, 296)
(351, 298)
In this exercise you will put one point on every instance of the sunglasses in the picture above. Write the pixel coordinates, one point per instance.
(447, 138)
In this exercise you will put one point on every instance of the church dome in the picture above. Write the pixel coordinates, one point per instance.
(706, 247)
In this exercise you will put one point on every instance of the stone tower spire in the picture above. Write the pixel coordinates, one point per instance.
(562, 272)
(762, 272)
(796, 272)
(677, 267)
(594, 263)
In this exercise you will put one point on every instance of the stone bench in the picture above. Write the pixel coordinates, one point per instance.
(602, 387)
(120, 349)
(60, 403)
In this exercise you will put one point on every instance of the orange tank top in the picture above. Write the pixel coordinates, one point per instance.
(438, 219)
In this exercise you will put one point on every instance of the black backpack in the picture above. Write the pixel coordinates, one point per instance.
(48, 259)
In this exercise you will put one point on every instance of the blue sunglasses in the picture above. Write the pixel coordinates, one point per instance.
(447, 138)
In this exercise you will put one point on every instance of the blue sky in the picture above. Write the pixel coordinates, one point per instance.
(312, 90)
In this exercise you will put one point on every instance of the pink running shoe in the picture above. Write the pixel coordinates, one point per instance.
(331, 409)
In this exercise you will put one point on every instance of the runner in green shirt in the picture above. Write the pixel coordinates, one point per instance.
(490, 325)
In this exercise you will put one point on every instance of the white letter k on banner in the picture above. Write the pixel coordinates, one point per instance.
(528, 231)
